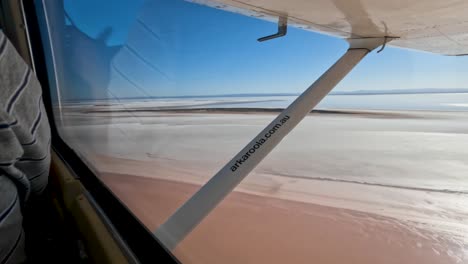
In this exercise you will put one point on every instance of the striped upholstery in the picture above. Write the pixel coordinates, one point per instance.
(24, 148)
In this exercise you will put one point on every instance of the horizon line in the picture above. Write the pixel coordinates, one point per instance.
(354, 92)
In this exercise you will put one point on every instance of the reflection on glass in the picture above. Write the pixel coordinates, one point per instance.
(157, 95)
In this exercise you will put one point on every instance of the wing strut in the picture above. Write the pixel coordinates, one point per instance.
(192, 212)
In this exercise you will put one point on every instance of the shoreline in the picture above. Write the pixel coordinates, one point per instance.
(247, 110)
(143, 112)
(272, 230)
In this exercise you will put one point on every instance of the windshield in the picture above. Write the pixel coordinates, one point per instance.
(157, 96)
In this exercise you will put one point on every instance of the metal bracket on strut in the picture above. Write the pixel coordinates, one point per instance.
(369, 43)
(282, 30)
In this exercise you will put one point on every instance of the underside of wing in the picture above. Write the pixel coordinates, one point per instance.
(426, 25)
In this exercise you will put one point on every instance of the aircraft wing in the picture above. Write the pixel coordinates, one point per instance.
(427, 25)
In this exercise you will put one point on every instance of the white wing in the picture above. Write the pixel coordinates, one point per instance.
(428, 25)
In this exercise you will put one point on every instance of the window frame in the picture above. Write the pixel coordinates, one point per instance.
(139, 239)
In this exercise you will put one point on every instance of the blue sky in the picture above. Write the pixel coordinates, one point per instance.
(174, 48)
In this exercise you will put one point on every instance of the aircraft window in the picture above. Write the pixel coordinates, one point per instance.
(157, 96)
